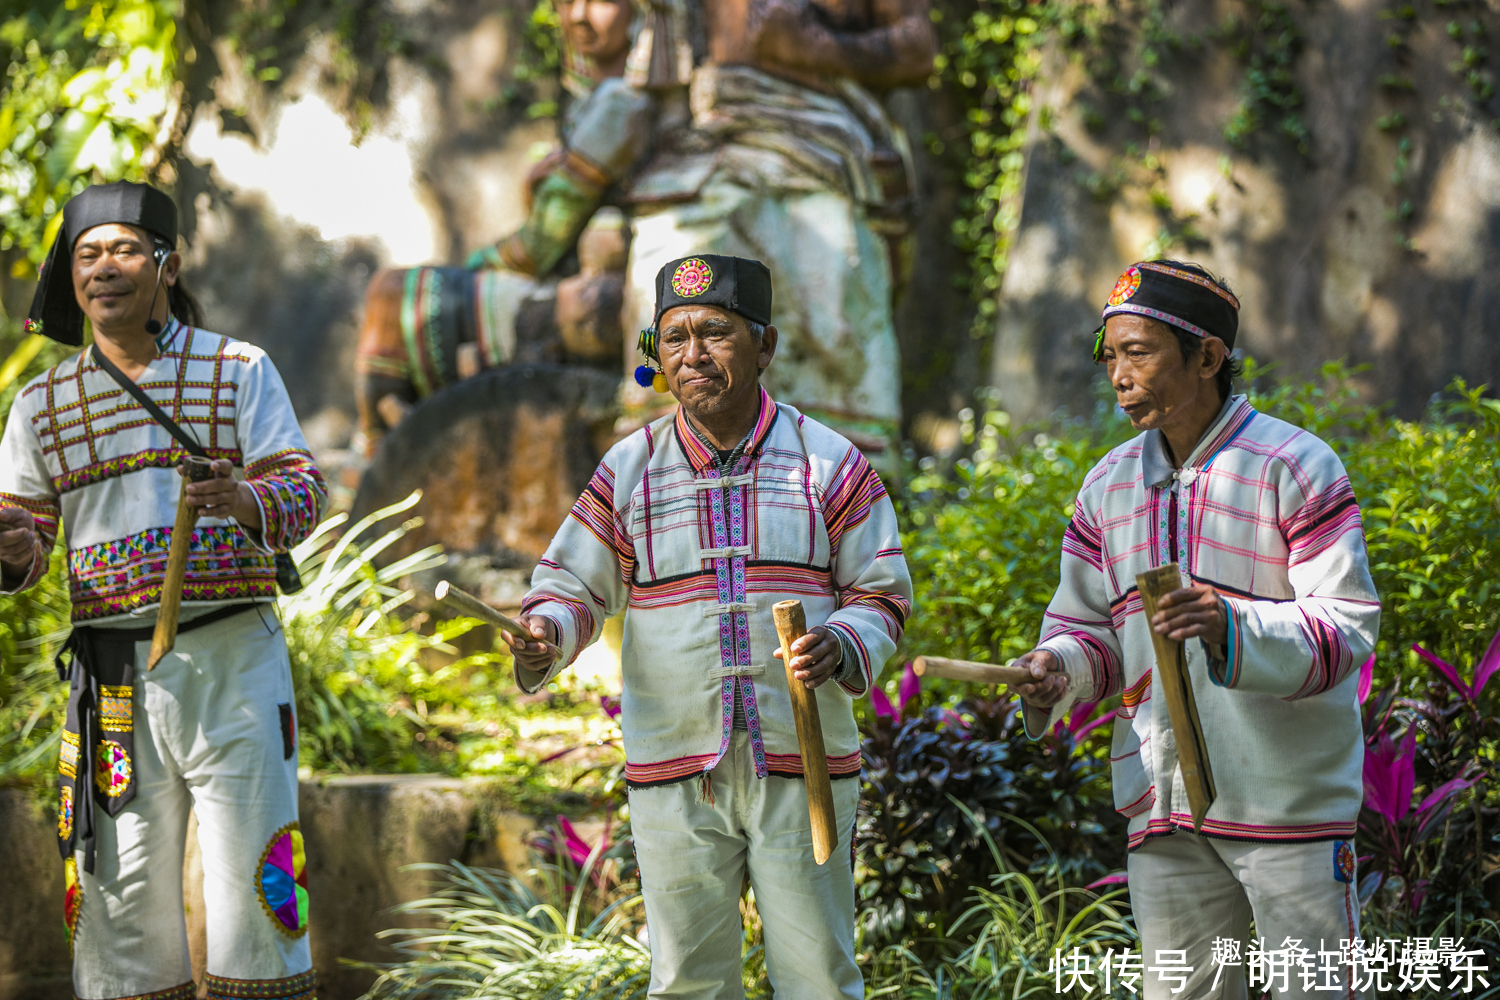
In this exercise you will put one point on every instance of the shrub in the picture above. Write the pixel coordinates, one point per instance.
(952, 796)
(1426, 866)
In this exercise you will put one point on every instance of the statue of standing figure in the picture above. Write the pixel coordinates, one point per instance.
(791, 159)
(738, 127)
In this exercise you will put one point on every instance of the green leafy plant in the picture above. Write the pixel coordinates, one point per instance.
(495, 937)
(89, 94)
(942, 789)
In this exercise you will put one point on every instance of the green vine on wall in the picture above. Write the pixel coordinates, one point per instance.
(1266, 40)
(989, 56)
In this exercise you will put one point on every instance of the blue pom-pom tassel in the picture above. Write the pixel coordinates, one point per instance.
(643, 376)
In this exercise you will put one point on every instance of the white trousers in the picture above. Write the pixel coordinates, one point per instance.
(693, 858)
(210, 737)
(1188, 891)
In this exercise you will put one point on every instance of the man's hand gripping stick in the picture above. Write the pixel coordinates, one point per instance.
(165, 637)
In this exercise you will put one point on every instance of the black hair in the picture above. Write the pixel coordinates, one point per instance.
(180, 302)
(184, 305)
(1231, 368)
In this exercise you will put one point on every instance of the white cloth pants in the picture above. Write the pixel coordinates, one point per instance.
(693, 858)
(1186, 891)
(208, 737)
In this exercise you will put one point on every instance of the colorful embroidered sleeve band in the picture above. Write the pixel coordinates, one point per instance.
(696, 559)
(1262, 511)
(78, 447)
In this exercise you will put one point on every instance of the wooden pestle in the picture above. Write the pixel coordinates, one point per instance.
(165, 635)
(971, 671)
(791, 625)
(475, 608)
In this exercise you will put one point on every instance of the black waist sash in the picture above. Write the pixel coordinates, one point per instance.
(101, 716)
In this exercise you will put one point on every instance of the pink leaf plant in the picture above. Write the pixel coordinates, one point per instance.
(1390, 775)
(1078, 723)
(909, 687)
(1488, 664)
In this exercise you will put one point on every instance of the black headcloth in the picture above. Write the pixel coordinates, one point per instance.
(1183, 295)
(54, 309)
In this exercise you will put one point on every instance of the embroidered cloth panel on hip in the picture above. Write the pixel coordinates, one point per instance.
(1264, 512)
(79, 448)
(696, 558)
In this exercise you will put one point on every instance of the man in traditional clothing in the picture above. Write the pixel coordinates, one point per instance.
(696, 525)
(1276, 611)
(211, 728)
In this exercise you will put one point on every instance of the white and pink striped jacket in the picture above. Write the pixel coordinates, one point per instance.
(696, 560)
(1264, 512)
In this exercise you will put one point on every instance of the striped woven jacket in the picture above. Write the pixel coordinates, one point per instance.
(1264, 512)
(697, 561)
(81, 451)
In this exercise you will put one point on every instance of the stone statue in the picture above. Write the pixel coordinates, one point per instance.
(791, 159)
(426, 327)
(740, 127)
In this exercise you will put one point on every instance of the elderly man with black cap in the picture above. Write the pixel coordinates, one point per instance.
(1276, 613)
(696, 525)
(210, 727)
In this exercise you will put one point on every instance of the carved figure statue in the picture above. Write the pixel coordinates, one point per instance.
(791, 159)
(426, 327)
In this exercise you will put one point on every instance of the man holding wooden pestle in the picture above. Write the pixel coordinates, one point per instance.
(696, 525)
(181, 687)
(1275, 613)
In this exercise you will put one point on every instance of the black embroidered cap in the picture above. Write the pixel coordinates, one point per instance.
(1183, 295)
(734, 283)
(54, 309)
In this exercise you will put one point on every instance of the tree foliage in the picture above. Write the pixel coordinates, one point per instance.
(89, 95)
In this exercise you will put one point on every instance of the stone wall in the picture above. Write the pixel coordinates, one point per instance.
(1326, 260)
(361, 833)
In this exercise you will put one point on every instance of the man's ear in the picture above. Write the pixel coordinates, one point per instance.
(1215, 356)
(170, 267)
(767, 347)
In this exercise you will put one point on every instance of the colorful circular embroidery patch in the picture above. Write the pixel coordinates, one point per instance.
(282, 881)
(65, 813)
(112, 775)
(1128, 285)
(72, 897)
(1343, 861)
(693, 278)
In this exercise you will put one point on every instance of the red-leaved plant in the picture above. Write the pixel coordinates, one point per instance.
(1427, 855)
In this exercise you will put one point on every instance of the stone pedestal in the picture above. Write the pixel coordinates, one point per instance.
(361, 833)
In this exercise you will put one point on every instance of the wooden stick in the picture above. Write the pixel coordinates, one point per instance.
(1177, 686)
(475, 608)
(165, 635)
(969, 670)
(791, 625)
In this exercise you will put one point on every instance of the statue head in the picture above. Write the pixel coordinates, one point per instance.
(598, 35)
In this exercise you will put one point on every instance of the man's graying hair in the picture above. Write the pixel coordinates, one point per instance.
(1190, 343)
